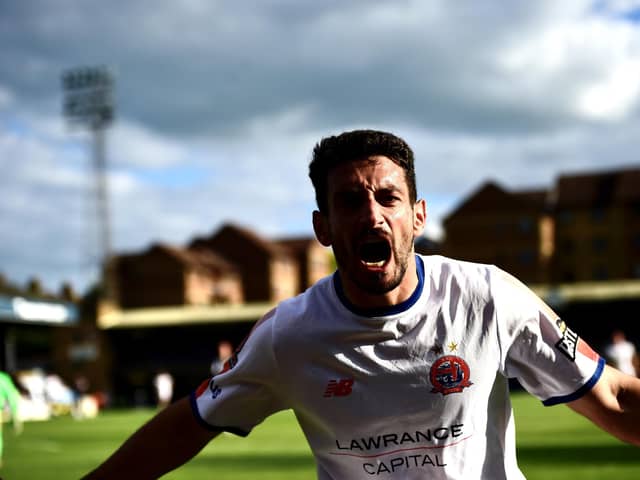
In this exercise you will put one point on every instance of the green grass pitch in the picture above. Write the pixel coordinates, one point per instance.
(553, 443)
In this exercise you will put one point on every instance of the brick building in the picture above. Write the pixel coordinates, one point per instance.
(234, 265)
(508, 229)
(164, 275)
(585, 228)
(194, 294)
(597, 226)
(312, 259)
(268, 270)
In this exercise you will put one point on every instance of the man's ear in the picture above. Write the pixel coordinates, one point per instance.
(321, 228)
(419, 217)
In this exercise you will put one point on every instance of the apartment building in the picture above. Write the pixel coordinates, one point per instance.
(585, 228)
(597, 226)
(231, 266)
(268, 270)
(165, 275)
(312, 259)
(509, 229)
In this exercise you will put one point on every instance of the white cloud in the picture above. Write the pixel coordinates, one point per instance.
(6, 98)
(35, 163)
(219, 104)
(589, 68)
(137, 146)
(614, 97)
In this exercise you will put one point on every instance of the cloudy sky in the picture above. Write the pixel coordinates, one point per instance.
(219, 104)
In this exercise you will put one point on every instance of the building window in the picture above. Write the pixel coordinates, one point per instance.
(526, 257)
(525, 224)
(600, 273)
(565, 218)
(500, 228)
(599, 244)
(598, 215)
(567, 246)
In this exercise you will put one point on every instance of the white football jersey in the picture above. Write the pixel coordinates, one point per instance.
(415, 391)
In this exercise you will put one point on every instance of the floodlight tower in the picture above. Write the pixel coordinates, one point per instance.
(89, 102)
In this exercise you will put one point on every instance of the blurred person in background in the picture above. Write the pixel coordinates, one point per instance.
(9, 400)
(163, 384)
(622, 353)
(85, 404)
(397, 365)
(59, 395)
(225, 350)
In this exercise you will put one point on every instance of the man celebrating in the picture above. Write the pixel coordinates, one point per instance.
(397, 365)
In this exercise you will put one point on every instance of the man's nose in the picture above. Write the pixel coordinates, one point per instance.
(372, 212)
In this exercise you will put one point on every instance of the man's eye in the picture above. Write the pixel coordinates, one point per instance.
(389, 199)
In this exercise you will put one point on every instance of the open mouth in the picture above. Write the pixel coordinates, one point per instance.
(375, 253)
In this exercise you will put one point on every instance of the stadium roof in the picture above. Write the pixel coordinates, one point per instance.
(589, 291)
(23, 310)
(218, 314)
(183, 315)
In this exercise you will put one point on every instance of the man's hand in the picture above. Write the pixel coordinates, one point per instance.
(613, 404)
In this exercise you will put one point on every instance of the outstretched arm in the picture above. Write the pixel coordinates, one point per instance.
(614, 405)
(164, 443)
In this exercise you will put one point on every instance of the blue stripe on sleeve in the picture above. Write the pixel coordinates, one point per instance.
(581, 391)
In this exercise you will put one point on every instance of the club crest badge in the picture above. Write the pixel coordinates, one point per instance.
(449, 374)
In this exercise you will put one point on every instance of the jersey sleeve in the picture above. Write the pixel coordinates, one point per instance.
(245, 392)
(538, 348)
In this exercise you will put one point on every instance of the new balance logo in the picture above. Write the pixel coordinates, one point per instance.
(339, 388)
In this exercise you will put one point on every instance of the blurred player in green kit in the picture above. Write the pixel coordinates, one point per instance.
(9, 396)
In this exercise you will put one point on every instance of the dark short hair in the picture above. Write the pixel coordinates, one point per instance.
(347, 147)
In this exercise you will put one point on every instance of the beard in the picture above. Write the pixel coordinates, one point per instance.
(379, 283)
(376, 283)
